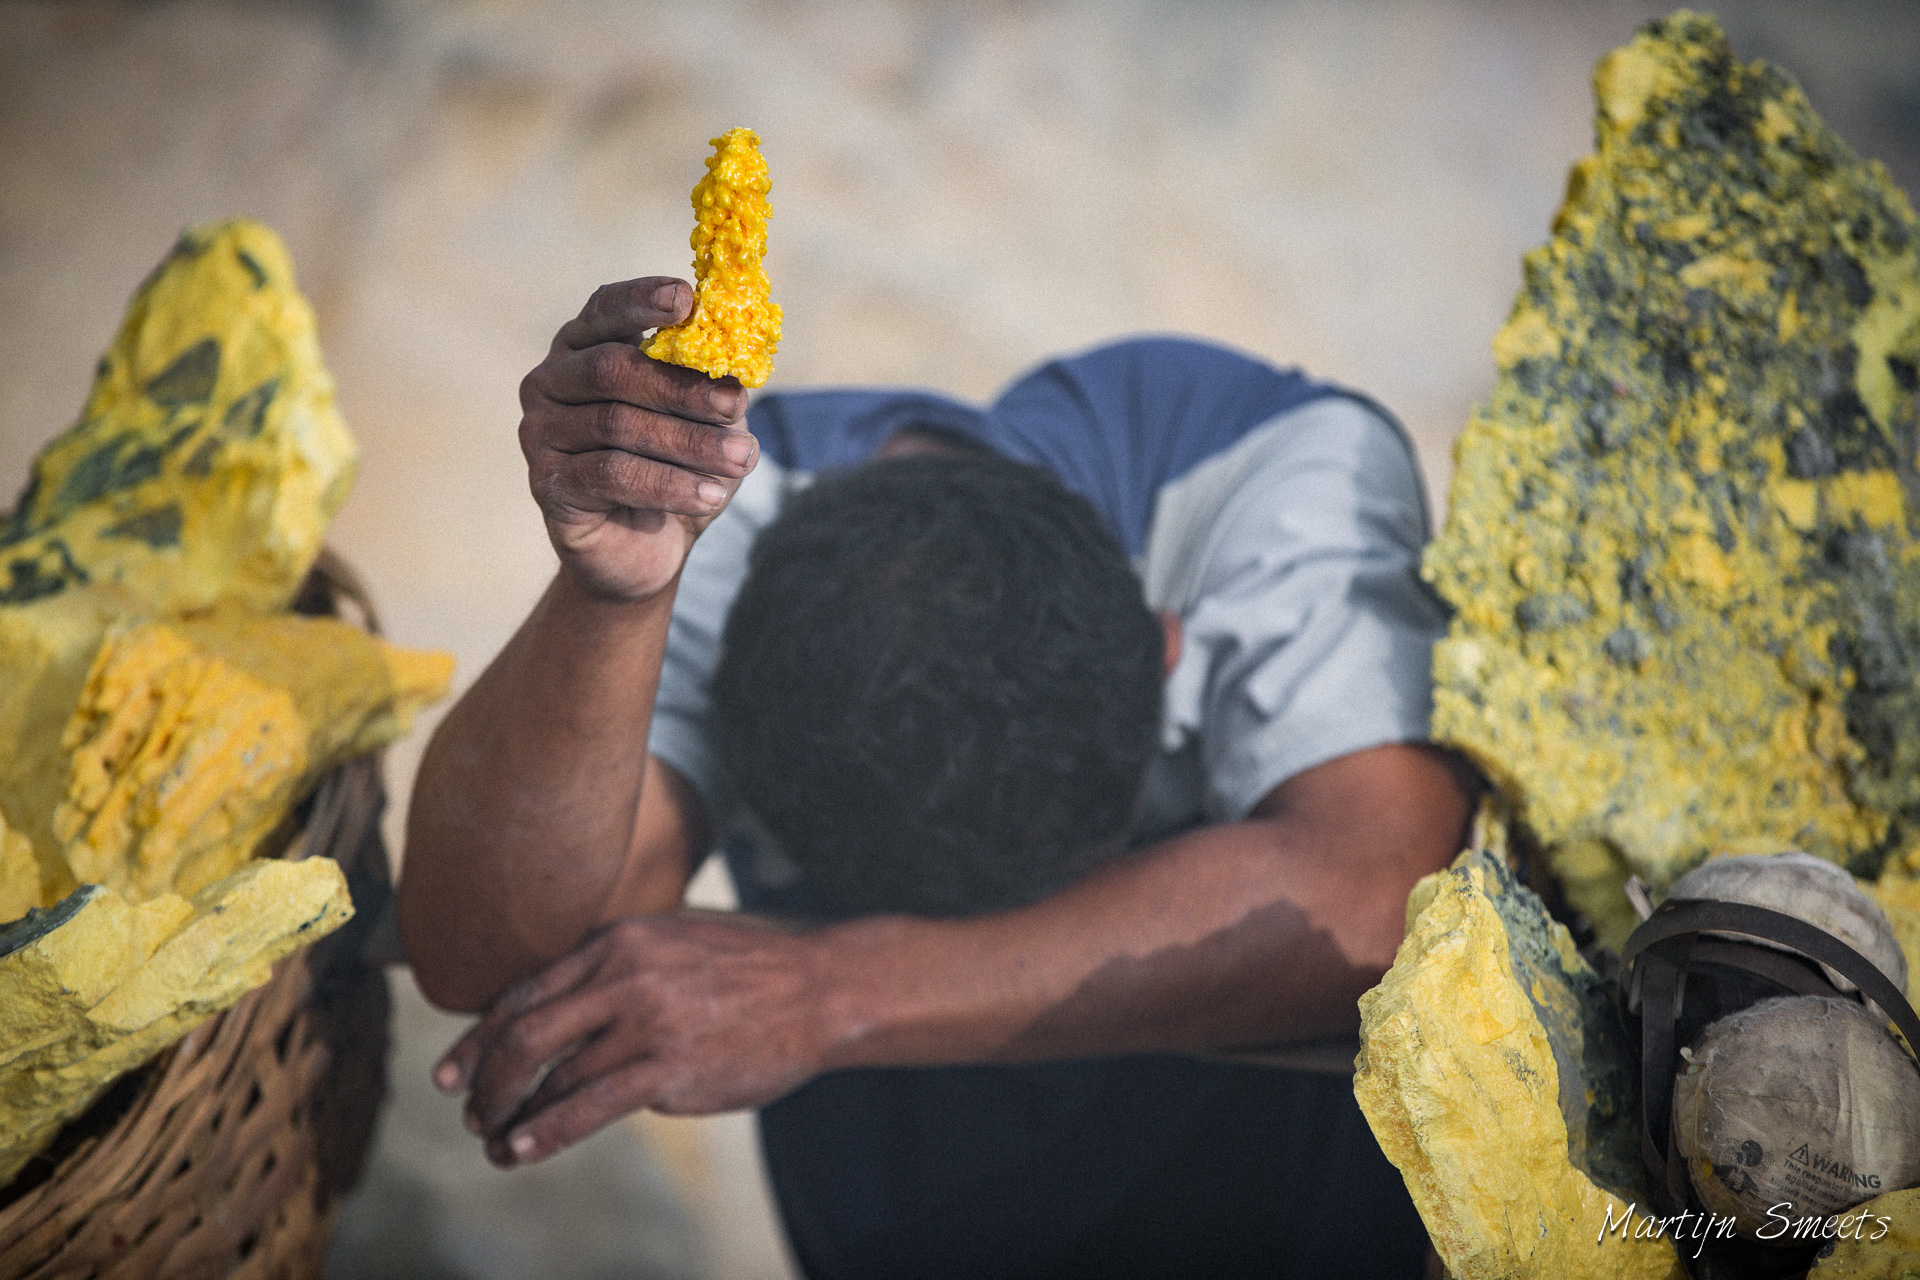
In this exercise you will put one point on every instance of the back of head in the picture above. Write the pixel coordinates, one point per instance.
(939, 686)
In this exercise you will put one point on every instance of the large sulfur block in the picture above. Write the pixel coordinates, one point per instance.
(734, 327)
(1681, 540)
(208, 459)
(96, 985)
(1492, 1074)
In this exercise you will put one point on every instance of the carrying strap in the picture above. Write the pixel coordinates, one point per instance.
(1676, 936)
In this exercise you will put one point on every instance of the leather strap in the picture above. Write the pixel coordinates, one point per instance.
(1679, 916)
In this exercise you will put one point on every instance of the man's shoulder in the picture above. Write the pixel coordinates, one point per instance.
(1121, 422)
(1118, 423)
(814, 430)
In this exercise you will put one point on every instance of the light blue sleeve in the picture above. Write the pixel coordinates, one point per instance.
(681, 734)
(1293, 561)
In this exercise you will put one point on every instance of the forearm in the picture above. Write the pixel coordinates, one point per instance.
(1247, 933)
(522, 835)
(1202, 943)
(1257, 932)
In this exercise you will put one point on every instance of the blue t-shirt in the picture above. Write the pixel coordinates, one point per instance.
(1280, 518)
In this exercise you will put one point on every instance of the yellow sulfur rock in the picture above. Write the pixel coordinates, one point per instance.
(734, 327)
(1881, 1241)
(46, 650)
(1681, 543)
(208, 459)
(1682, 554)
(1494, 1081)
(96, 986)
(197, 485)
(159, 713)
(193, 740)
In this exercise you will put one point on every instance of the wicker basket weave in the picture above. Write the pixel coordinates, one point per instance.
(228, 1154)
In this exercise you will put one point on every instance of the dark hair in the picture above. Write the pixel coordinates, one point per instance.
(939, 686)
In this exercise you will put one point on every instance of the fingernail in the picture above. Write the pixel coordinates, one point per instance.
(725, 401)
(667, 297)
(738, 450)
(522, 1144)
(710, 493)
(446, 1077)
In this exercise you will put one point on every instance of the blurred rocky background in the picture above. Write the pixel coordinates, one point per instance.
(960, 189)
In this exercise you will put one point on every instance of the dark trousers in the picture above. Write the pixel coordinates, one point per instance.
(1153, 1166)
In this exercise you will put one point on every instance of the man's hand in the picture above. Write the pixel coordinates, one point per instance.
(629, 458)
(684, 1014)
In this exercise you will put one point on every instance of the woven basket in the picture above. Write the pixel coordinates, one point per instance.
(227, 1155)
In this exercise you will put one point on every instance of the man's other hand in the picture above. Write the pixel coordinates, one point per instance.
(684, 1014)
(629, 458)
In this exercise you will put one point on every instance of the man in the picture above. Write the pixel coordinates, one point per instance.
(954, 1091)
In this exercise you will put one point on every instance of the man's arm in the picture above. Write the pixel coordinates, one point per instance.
(1251, 932)
(538, 814)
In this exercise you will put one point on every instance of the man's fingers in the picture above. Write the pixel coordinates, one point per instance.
(514, 1061)
(697, 446)
(621, 372)
(622, 312)
(588, 1108)
(456, 1068)
(614, 1047)
(609, 480)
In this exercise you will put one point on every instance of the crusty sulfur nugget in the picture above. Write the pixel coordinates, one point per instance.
(733, 328)
(192, 740)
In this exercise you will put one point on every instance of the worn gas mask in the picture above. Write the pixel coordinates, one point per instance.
(1774, 1098)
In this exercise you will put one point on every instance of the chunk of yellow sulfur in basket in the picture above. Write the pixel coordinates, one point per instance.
(734, 326)
(97, 985)
(46, 649)
(1491, 1074)
(1681, 543)
(193, 740)
(195, 491)
(208, 459)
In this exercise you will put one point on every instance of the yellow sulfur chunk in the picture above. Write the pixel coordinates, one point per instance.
(1488, 1075)
(46, 650)
(97, 986)
(1882, 1241)
(733, 328)
(1682, 542)
(209, 457)
(191, 741)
